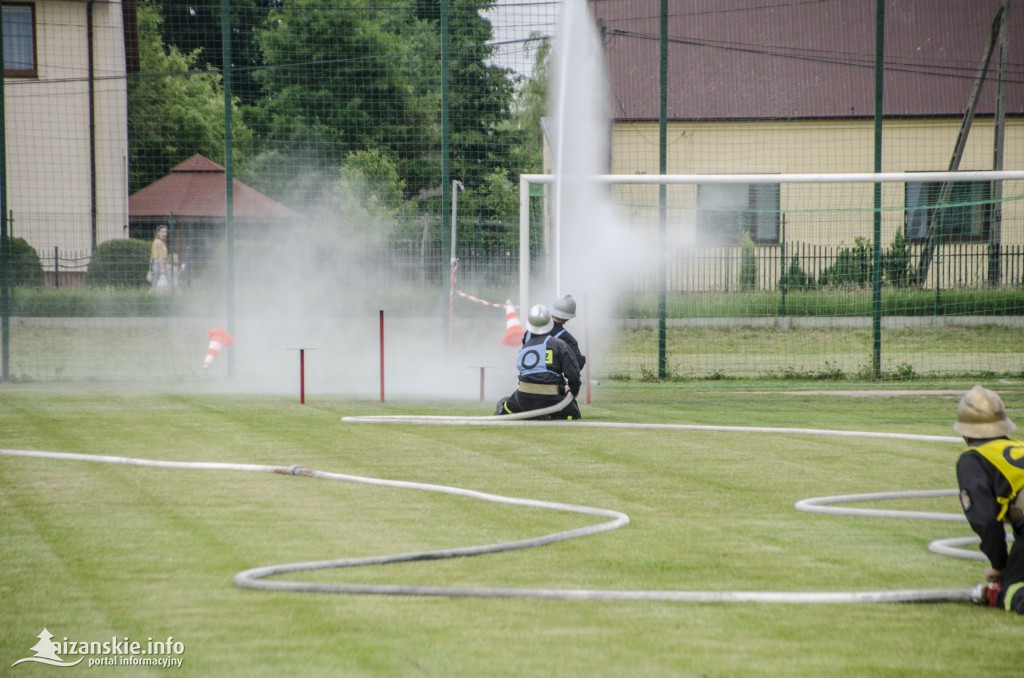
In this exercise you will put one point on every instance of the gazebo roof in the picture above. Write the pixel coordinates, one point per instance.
(195, 190)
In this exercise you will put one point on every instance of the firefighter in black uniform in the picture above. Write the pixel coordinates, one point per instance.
(562, 311)
(547, 371)
(991, 479)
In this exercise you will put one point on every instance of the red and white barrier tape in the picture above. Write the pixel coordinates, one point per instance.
(477, 300)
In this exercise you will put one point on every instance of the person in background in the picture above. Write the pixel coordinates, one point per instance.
(547, 371)
(562, 311)
(990, 475)
(159, 269)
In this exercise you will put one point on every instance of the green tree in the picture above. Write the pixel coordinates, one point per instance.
(491, 212)
(336, 82)
(194, 27)
(518, 148)
(370, 193)
(896, 262)
(175, 108)
(795, 278)
(480, 94)
(348, 76)
(26, 268)
(119, 263)
(748, 263)
(529, 106)
(486, 149)
(852, 266)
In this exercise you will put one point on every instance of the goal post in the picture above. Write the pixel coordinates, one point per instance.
(528, 180)
(804, 231)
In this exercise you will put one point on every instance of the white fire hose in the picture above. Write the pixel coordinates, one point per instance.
(259, 577)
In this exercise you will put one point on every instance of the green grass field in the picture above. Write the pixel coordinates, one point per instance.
(94, 551)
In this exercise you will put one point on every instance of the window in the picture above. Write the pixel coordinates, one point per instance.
(964, 218)
(726, 211)
(19, 41)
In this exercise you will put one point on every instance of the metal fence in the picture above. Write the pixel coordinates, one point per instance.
(697, 269)
(810, 266)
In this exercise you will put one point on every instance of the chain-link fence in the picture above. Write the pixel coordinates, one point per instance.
(295, 172)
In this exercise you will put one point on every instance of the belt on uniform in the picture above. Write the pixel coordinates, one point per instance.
(539, 389)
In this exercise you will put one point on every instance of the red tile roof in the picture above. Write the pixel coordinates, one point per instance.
(195, 189)
(784, 59)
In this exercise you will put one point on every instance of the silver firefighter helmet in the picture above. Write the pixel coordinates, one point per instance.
(564, 308)
(539, 320)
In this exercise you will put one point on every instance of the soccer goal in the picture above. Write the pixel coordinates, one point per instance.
(840, 252)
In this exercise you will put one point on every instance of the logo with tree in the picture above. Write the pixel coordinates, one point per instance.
(46, 652)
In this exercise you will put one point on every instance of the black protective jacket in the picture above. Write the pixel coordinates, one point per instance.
(985, 492)
(563, 334)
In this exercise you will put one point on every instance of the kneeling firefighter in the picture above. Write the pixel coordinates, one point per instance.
(547, 371)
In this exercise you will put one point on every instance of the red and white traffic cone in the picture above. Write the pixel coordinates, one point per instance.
(513, 328)
(219, 338)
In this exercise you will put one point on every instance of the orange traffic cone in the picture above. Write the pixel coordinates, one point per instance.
(219, 338)
(513, 329)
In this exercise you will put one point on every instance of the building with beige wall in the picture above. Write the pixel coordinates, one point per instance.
(708, 148)
(66, 123)
(767, 88)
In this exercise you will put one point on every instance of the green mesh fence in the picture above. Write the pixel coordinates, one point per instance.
(788, 290)
(344, 176)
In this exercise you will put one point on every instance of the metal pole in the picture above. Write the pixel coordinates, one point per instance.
(382, 355)
(453, 263)
(91, 77)
(784, 282)
(302, 372)
(662, 196)
(586, 346)
(5, 288)
(445, 126)
(995, 273)
(172, 274)
(229, 203)
(5, 264)
(876, 283)
(302, 376)
(456, 187)
(524, 240)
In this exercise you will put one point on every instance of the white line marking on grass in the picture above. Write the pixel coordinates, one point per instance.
(258, 578)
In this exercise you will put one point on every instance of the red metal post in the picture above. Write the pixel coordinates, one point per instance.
(382, 355)
(586, 346)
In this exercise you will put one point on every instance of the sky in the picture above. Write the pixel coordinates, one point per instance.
(513, 21)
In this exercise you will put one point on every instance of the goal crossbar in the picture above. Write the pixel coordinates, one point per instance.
(525, 180)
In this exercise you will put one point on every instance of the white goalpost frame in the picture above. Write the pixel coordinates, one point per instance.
(525, 180)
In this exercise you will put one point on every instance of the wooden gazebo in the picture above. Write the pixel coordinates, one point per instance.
(191, 201)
